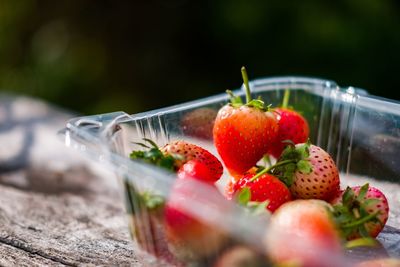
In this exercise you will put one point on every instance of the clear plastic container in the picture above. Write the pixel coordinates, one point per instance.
(361, 133)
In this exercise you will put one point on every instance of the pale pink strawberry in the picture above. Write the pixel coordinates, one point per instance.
(303, 232)
(190, 238)
(357, 204)
(193, 152)
(309, 172)
(322, 183)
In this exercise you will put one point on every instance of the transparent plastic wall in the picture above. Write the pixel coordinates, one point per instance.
(375, 139)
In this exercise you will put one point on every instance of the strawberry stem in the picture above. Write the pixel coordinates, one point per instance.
(246, 84)
(267, 170)
(286, 97)
(360, 221)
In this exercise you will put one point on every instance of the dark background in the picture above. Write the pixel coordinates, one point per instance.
(103, 56)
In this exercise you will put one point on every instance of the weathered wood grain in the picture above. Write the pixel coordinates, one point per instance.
(56, 209)
(11, 256)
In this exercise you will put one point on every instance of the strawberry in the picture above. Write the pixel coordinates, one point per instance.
(193, 152)
(303, 232)
(197, 170)
(190, 239)
(263, 188)
(308, 171)
(229, 187)
(153, 155)
(243, 133)
(291, 126)
(191, 162)
(240, 256)
(146, 221)
(199, 123)
(361, 211)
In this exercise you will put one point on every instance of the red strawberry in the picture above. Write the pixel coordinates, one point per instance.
(193, 152)
(180, 227)
(190, 239)
(291, 126)
(146, 221)
(243, 133)
(229, 187)
(302, 231)
(308, 171)
(199, 123)
(264, 188)
(361, 211)
(197, 170)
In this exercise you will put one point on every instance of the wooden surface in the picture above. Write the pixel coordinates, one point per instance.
(56, 208)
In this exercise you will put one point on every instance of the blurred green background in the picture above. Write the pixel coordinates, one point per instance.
(103, 56)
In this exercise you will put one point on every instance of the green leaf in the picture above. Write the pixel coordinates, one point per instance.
(363, 231)
(141, 144)
(268, 108)
(363, 192)
(304, 151)
(167, 163)
(304, 166)
(244, 196)
(257, 103)
(154, 156)
(370, 201)
(293, 158)
(236, 101)
(151, 142)
(177, 156)
(348, 197)
(288, 174)
(152, 201)
(147, 199)
(363, 211)
(257, 208)
(136, 154)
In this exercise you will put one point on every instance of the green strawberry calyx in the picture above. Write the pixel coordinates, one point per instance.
(155, 156)
(140, 201)
(294, 158)
(351, 214)
(236, 101)
(243, 197)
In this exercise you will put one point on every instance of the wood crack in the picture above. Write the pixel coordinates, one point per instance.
(22, 246)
